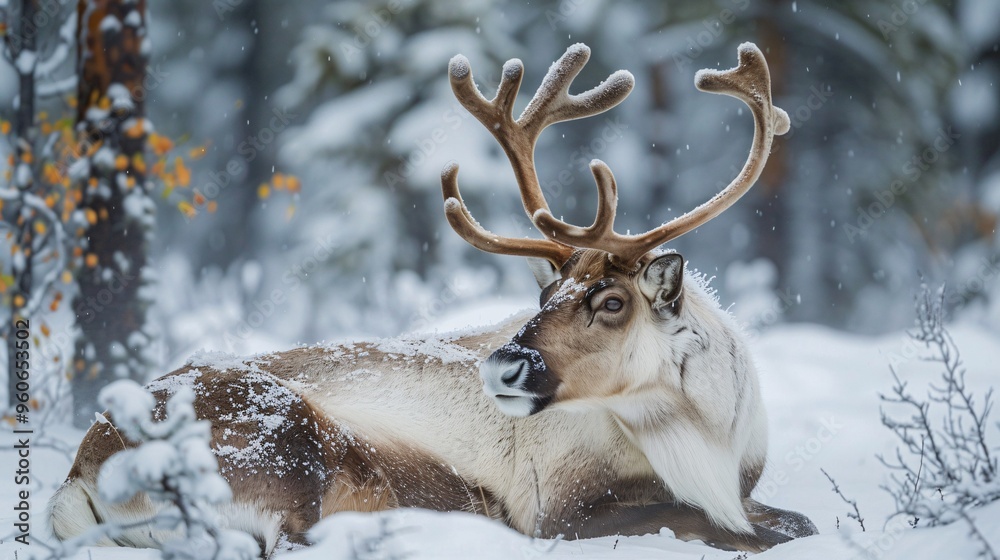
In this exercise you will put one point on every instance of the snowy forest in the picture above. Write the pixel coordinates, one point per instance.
(186, 182)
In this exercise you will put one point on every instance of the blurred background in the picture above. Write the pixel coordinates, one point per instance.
(318, 130)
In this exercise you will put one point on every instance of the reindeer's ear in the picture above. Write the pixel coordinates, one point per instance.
(545, 272)
(663, 279)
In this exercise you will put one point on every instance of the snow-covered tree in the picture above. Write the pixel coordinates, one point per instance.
(174, 466)
(843, 211)
(37, 41)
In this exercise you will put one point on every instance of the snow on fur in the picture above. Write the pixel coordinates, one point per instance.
(175, 468)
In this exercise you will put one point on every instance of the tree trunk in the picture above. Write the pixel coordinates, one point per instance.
(111, 304)
(770, 201)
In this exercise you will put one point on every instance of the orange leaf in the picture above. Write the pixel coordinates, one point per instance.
(158, 168)
(139, 163)
(186, 209)
(183, 173)
(160, 144)
(91, 260)
(136, 130)
(263, 191)
(121, 162)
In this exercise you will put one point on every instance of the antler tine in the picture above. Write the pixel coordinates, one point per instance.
(750, 82)
(466, 226)
(493, 112)
(551, 103)
(601, 232)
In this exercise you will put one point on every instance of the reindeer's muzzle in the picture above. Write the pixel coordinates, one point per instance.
(515, 377)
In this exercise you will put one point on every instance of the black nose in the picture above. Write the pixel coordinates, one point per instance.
(514, 372)
(517, 363)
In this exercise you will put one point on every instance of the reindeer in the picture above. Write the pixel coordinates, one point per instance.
(628, 403)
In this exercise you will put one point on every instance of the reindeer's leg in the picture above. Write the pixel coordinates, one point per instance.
(686, 522)
(789, 523)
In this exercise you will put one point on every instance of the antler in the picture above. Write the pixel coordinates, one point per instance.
(552, 103)
(750, 82)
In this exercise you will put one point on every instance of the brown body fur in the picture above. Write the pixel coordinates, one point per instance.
(317, 464)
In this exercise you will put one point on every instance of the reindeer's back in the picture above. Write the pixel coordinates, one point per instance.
(271, 444)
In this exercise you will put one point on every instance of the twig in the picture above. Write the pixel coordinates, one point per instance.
(956, 466)
(987, 552)
(853, 503)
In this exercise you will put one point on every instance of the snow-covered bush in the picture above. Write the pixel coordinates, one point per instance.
(174, 466)
(947, 463)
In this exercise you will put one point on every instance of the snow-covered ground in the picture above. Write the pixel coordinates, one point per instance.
(821, 388)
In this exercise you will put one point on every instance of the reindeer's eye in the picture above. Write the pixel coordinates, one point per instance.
(613, 304)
